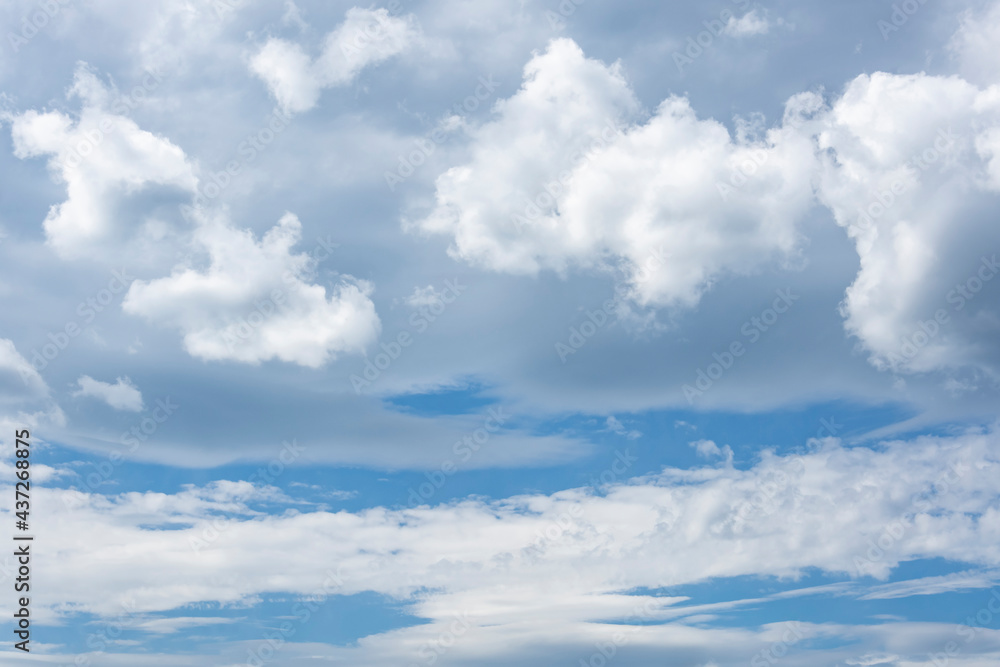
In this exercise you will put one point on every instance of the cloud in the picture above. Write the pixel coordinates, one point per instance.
(707, 449)
(498, 562)
(974, 44)
(616, 427)
(366, 37)
(123, 395)
(167, 626)
(748, 25)
(908, 170)
(560, 180)
(25, 398)
(425, 296)
(104, 159)
(949, 583)
(565, 178)
(253, 302)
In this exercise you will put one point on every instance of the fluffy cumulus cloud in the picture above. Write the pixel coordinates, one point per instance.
(909, 169)
(569, 174)
(561, 562)
(253, 302)
(366, 37)
(567, 177)
(122, 395)
(103, 158)
(909, 165)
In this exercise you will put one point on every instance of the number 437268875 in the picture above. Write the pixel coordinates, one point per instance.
(22, 465)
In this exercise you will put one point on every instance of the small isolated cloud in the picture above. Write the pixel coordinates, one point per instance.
(707, 449)
(748, 25)
(169, 626)
(122, 395)
(253, 302)
(366, 37)
(335, 494)
(615, 426)
(424, 296)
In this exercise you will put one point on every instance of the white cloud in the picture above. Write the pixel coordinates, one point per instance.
(615, 426)
(123, 395)
(168, 626)
(366, 37)
(748, 25)
(949, 583)
(908, 164)
(502, 563)
(908, 171)
(558, 181)
(253, 302)
(103, 158)
(424, 296)
(974, 44)
(707, 449)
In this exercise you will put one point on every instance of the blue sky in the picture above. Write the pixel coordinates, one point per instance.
(437, 332)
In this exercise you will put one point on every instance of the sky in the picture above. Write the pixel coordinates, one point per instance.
(440, 332)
